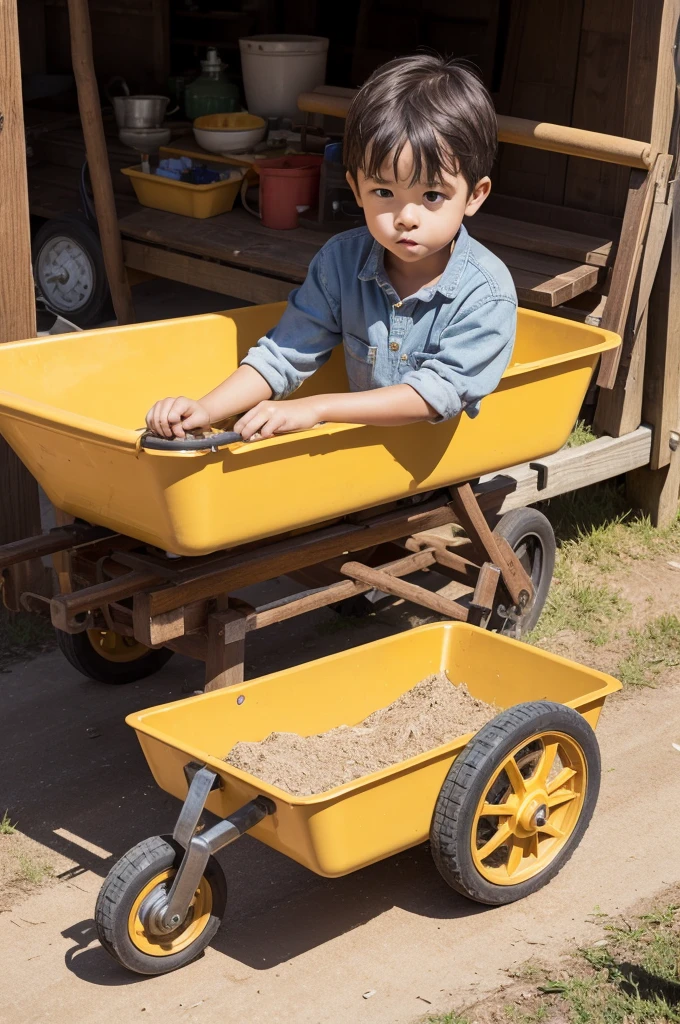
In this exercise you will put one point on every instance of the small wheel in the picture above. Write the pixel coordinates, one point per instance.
(108, 657)
(516, 803)
(141, 875)
(69, 270)
(530, 535)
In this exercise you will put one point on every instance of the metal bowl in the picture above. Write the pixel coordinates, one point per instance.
(140, 111)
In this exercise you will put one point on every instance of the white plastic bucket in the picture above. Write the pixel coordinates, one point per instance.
(277, 68)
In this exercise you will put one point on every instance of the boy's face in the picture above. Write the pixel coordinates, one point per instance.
(415, 221)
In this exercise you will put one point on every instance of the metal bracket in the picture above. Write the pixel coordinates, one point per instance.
(542, 470)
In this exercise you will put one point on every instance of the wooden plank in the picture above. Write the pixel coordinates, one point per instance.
(234, 238)
(570, 245)
(66, 537)
(569, 469)
(666, 76)
(225, 652)
(599, 104)
(202, 273)
(545, 280)
(551, 215)
(379, 580)
(620, 410)
(17, 304)
(543, 89)
(635, 223)
(661, 393)
(655, 492)
(19, 507)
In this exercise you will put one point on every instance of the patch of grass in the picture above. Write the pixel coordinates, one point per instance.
(654, 647)
(23, 635)
(31, 870)
(581, 434)
(584, 606)
(449, 1018)
(6, 826)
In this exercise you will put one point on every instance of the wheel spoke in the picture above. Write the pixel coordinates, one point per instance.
(515, 777)
(515, 856)
(533, 845)
(501, 836)
(546, 763)
(560, 780)
(498, 810)
(552, 830)
(561, 796)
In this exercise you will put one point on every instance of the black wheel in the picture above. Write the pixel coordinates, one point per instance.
(531, 537)
(516, 803)
(69, 271)
(109, 657)
(142, 874)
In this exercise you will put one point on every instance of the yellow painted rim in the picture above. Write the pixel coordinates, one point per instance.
(195, 923)
(113, 647)
(529, 808)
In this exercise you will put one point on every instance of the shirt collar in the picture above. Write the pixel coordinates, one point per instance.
(374, 267)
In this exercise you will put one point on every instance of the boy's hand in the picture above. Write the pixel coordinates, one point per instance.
(173, 417)
(269, 418)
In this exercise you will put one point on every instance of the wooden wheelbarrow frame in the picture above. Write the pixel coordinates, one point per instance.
(109, 581)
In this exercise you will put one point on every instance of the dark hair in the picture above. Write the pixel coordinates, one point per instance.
(439, 106)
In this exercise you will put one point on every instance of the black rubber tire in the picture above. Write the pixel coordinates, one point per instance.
(530, 534)
(80, 653)
(98, 306)
(127, 878)
(465, 785)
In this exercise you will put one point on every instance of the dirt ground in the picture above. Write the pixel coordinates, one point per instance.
(385, 945)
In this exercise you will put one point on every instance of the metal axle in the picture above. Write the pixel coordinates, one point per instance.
(163, 914)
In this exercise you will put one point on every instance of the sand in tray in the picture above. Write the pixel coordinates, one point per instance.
(433, 712)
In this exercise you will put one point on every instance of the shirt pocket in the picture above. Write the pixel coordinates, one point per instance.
(360, 362)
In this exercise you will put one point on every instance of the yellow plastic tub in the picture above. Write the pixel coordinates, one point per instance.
(72, 406)
(199, 201)
(380, 814)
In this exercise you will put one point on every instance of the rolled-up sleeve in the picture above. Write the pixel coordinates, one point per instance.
(474, 351)
(304, 337)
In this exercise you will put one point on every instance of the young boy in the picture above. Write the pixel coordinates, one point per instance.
(425, 313)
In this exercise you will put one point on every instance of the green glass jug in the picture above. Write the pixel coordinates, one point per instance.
(211, 92)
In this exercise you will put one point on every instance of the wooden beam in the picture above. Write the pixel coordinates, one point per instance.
(661, 395)
(98, 160)
(619, 410)
(568, 470)
(655, 491)
(19, 505)
(201, 273)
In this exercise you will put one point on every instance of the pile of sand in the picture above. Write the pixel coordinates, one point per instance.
(431, 713)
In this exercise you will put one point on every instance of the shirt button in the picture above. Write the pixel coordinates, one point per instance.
(398, 305)
(404, 358)
(394, 346)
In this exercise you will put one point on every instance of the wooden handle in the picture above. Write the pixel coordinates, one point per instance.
(520, 131)
(558, 138)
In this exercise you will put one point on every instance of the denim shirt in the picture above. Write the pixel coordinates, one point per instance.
(450, 341)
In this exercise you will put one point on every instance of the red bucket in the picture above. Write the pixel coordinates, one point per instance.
(285, 184)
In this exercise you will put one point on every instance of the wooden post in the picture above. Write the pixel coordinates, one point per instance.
(654, 489)
(19, 504)
(98, 160)
(226, 650)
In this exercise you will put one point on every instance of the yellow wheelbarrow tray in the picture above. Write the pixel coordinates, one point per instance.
(73, 408)
(548, 708)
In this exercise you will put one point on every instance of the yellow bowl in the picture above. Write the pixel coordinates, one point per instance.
(229, 122)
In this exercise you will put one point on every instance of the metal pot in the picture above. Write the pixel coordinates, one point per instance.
(140, 111)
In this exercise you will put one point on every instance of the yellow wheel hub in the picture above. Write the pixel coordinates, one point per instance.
(529, 808)
(191, 928)
(114, 647)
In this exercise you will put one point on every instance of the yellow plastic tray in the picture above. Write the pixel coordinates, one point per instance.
(199, 201)
(72, 406)
(380, 814)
